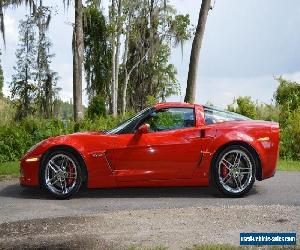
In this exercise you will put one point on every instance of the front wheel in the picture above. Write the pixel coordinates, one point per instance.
(61, 174)
(233, 171)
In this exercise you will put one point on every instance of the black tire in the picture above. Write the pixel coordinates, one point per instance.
(235, 178)
(76, 166)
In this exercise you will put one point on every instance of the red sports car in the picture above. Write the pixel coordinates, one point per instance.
(170, 144)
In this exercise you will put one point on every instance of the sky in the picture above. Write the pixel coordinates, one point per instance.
(247, 44)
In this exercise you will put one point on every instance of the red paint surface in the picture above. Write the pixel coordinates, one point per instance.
(171, 158)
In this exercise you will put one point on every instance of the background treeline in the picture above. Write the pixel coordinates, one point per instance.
(123, 54)
(125, 57)
(17, 137)
(285, 110)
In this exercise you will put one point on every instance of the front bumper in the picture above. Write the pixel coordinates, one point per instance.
(29, 172)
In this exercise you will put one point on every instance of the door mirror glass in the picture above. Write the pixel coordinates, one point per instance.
(143, 129)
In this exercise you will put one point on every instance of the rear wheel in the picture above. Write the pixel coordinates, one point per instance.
(61, 174)
(234, 171)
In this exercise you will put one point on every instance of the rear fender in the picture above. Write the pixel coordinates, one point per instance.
(221, 140)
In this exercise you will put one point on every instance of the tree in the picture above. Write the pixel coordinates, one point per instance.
(96, 107)
(45, 77)
(78, 54)
(190, 94)
(287, 97)
(97, 54)
(22, 85)
(154, 28)
(1, 79)
(245, 106)
(287, 94)
(114, 84)
(7, 3)
(78, 61)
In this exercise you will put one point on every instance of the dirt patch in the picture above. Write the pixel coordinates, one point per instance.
(58, 242)
(8, 178)
(173, 228)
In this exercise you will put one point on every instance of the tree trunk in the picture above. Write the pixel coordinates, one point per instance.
(117, 64)
(77, 62)
(124, 94)
(190, 94)
(124, 97)
(113, 64)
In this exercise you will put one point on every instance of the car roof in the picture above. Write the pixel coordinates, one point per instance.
(173, 104)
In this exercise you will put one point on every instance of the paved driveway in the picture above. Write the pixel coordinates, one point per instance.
(17, 203)
(172, 217)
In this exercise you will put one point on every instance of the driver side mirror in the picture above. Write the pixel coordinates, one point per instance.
(143, 129)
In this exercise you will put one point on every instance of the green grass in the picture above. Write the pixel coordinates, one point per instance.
(288, 165)
(11, 169)
(229, 247)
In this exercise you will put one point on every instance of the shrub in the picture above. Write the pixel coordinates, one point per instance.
(96, 107)
(290, 137)
(244, 106)
(17, 137)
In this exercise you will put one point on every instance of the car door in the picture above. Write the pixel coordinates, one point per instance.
(171, 149)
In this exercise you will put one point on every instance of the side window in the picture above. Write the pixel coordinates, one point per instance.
(215, 116)
(171, 119)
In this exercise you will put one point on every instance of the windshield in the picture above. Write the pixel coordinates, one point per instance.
(129, 125)
(213, 115)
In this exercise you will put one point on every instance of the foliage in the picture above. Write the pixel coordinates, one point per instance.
(260, 111)
(7, 110)
(23, 89)
(166, 120)
(153, 27)
(286, 111)
(63, 110)
(33, 85)
(97, 60)
(287, 97)
(150, 100)
(244, 106)
(96, 107)
(1, 79)
(45, 78)
(267, 112)
(290, 136)
(17, 137)
(180, 29)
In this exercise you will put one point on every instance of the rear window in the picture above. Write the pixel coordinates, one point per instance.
(213, 115)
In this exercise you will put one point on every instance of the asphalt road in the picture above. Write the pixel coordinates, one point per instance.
(18, 203)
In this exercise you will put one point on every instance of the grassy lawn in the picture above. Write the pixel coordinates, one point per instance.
(288, 165)
(220, 247)
(229, 247)
(11, 169)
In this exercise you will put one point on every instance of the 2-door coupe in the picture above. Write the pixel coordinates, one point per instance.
(170, 144)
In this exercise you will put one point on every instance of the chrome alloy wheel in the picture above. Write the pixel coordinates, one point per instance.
(235, 171)
(61, 174)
